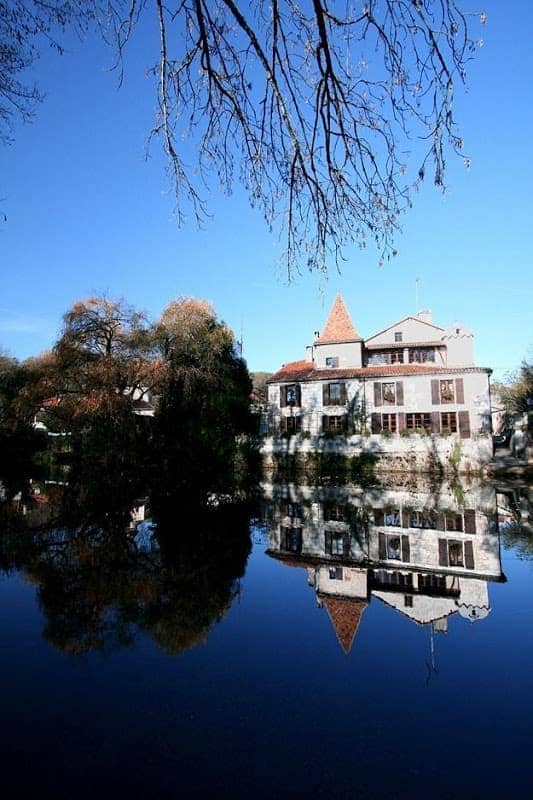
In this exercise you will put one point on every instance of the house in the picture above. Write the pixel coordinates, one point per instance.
(414, 378)
(426, 554)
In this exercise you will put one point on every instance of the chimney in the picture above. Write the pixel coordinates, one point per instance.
(425, 315)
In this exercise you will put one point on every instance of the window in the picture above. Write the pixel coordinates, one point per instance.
(389, 394)
(290, 395)
(418, 422)
(336, 543)
(292, 510)
(290, 425)
(333, 512)
(335, 574)
(393, 547)
(388, 423)
(419, 355)
(430, 581)
(453, 522)
(448, 422)
(385, 357)
(291, 539)
(391, 578)
(422, 519)
(408, 600)
(384, 423)
(334, 394)
(398, 336)
(332, 361)
(335, 423)
(447, 391)
(456, 553)
(392, 518)
(447, 394)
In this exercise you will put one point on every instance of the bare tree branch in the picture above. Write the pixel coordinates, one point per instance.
(310, 106)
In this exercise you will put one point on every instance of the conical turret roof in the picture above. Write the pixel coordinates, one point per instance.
(345, 616)
(339, 327)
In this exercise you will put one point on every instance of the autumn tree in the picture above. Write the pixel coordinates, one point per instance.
(104, 357)
(314, 108)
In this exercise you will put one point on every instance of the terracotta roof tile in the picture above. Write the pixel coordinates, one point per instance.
(294, 370)
(339, 327)
(345, 616)
(298, 372)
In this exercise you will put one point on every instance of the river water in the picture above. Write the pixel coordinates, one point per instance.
(340, 642)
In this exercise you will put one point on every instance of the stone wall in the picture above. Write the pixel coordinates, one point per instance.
(425, 454)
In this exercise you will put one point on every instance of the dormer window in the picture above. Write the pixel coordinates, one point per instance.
(398, 336)
(332, 361)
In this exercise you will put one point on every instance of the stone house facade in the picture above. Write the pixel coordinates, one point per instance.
(413, 378)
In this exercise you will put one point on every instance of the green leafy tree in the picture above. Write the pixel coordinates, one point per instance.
(515, 395)
(205, 394)
(19, 442)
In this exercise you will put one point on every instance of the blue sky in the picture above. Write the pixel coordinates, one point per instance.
(86, 212)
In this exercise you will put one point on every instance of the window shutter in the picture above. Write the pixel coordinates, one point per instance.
(375, 423)
(459, 391)
(406, 552)
(435, 422)
(377, 394)
(399, 393)
(378, 516)
(344, 423)
(325, 394)
(470, 521)
(405, 518)
(328, 542)
(464, 424)
(343, 394)
(443, 552)
(282, 396)
(283, 537)
(325, 421)
(435, 393)
(469, 555)
(298, 393)
(401, 421)
(439, 520)
(346, 544)
(382, 547)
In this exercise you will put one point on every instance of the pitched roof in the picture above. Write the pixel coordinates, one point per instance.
(339, 327)
(305, 371)
(345, 616)
(400, 321)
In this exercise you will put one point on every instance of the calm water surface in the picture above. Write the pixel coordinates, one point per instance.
(332, 658)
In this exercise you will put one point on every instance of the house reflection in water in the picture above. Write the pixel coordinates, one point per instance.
(426, 552)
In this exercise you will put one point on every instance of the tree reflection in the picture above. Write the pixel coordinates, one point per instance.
(103, 575)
